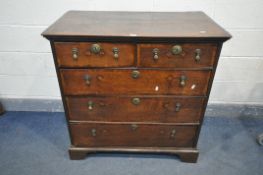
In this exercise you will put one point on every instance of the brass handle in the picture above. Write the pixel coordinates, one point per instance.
(155, 54)
(177, 49)
(177, 107)
(74, 53)
(183, 80)
(115, 51)
(135, 74)
(95, 48)
(134, 126)
(136, 101)
(87, 79)
(173, 133)
(93, 132)
(197, 54)
(90, 105)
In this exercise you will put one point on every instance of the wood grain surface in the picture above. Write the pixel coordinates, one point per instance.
(136, 25)
(165, 109)
(151, 135)
(114, 81)
(87, 59)
(186, 59)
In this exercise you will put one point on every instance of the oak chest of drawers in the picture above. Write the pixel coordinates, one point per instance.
(135, 81)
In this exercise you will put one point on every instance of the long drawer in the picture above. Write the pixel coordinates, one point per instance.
(130, 81)
(135, 109)
(132, 135)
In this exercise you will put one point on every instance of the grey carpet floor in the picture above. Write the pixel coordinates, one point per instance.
(36, 143)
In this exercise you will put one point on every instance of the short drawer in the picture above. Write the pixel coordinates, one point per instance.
(87, 54)
(132, 135)
(127, 81)
(135, 109)
(177, 55)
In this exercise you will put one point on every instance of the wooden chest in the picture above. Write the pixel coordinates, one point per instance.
(135, 81)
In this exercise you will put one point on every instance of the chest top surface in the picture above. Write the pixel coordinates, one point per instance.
(136, 25)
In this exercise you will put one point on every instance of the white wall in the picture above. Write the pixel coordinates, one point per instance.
(27, 69)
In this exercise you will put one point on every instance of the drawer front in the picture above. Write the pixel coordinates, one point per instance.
(135, 109)
(85, 54)
(177, 56)
(98, 81)
(137, 135)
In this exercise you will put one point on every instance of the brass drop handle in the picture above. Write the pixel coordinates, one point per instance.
(87, 79)
(74, 53)
(134, 126)
(155, 54)
(93, 132)
(135, 74)
(177, 107)
(183, 79)
(90, 105)
(95, 48)
(173, 133)
(115, 51)
(197, 54)
(136, 101)
(176, 49)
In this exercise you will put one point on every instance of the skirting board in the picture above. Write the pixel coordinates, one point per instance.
(55, 105)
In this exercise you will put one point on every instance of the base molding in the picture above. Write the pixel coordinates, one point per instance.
(189, 155)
